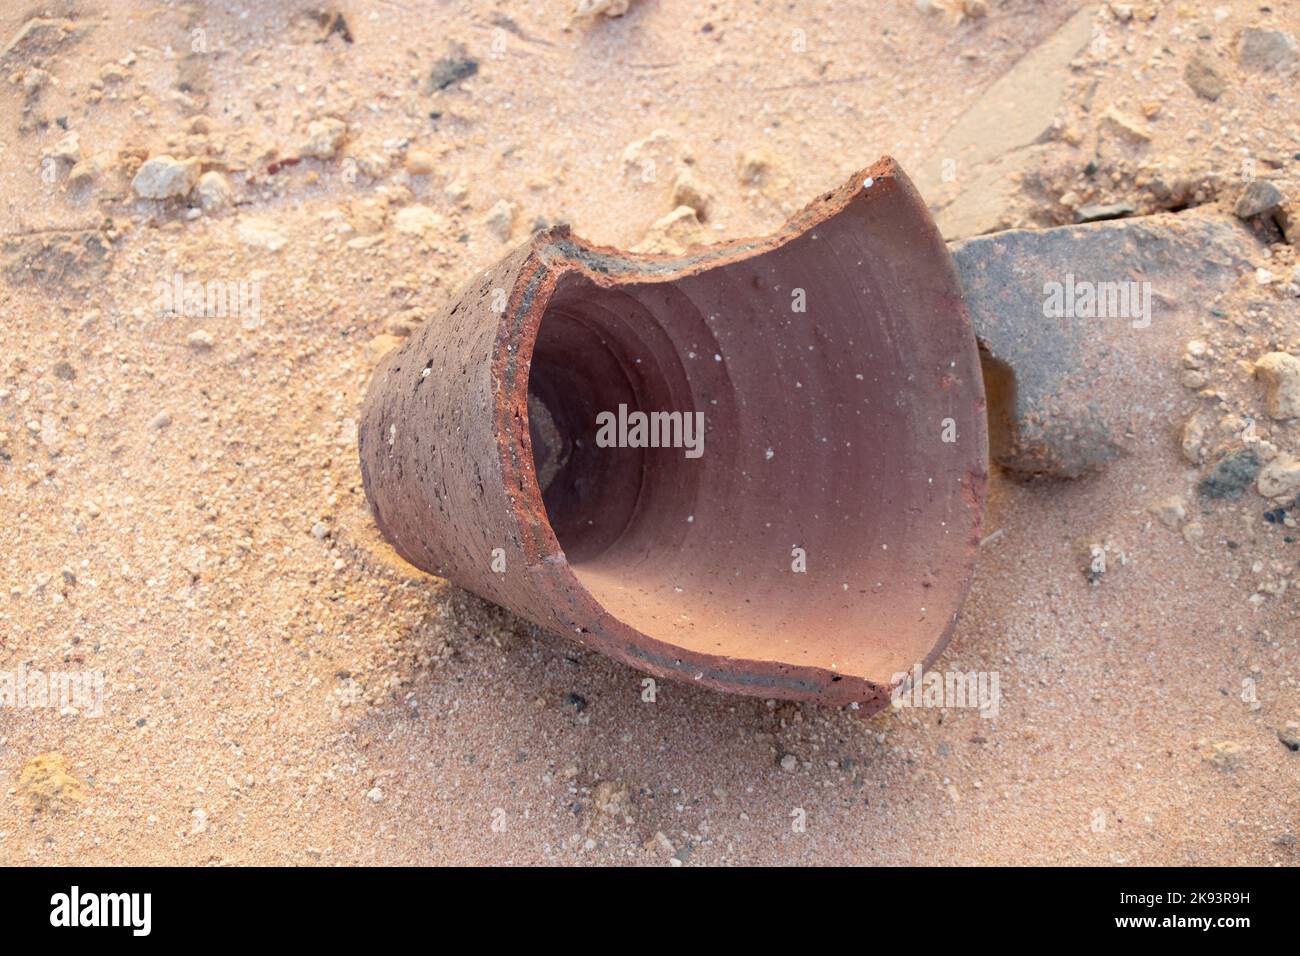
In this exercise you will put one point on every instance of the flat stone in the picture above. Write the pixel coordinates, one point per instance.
(972, 176)
(1019, 107)
(1100, 212)
(1123, 126)
(1047, 369)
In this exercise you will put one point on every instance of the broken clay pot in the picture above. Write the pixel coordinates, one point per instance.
(814, 542)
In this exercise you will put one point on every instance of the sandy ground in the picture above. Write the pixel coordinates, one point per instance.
(181, 509)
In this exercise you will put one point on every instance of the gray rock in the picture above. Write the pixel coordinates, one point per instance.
(1231, 476)
(1071, 390)
(1098, 213)
(1268, 50)
(451, 69)
(1260, 197)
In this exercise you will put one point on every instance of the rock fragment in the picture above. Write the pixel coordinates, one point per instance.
(1280, 374)
(1123, 126)
(660, 843)
(593, 8)
(372, 162)
(1290, 736)
(1225, 755)
(1207, 82)
(456, 191)
(1101, 212)
(451, 69)
(1231, 476)
(1279, 480)
(82, 174)
(672, 234)
(500, 220)
(1259, 198)
(45, 783)
(1268, 51)
(213, 191)
(164, 177)
(1170, 512)
(646, 157)
(1288, 220)
(66, 150)
(1193, 439)
(612, 799)
(688, 190)
(754, 166)
(418, 220)
(420, 162)
(324, 137)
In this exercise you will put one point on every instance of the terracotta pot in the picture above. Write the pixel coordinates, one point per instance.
(823, 539)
